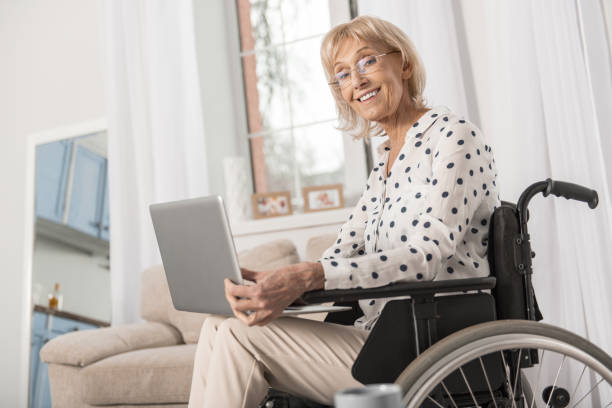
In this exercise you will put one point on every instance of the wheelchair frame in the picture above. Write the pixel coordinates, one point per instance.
(517, 302)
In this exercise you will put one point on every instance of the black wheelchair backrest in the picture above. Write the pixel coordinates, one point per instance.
(504, 256)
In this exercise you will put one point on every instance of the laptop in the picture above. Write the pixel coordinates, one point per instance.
(198, 253)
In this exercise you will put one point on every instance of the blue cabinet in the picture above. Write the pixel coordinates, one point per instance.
(87, 195)
(39, 377)
(52, 165)
(44, 328)
(67, 170)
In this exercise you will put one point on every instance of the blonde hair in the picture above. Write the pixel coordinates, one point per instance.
(386, 37)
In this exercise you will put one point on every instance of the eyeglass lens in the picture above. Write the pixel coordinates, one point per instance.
(364, 66)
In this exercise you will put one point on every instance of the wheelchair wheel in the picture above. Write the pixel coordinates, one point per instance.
(509, 363)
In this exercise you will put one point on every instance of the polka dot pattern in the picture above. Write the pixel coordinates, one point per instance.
(444, 201)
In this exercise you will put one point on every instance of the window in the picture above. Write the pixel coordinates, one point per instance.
(290, 110)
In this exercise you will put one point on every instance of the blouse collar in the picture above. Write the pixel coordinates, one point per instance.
(420, 126)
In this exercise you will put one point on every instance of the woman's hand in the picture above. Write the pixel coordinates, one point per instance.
(272, 292)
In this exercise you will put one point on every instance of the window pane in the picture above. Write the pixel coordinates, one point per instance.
(279, 153)
(291, 88)
(305, 18)
(320, 154)
(268, 101)
(311, 99)
(276, 21)
(266, 23)
(307, 156)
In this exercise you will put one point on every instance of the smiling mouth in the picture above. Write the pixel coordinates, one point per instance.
(369, 96)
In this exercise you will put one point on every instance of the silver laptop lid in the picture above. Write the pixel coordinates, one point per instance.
(197, 251)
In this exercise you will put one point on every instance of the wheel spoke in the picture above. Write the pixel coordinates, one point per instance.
(516, 374)
(468, 386)
(556, 378)
(449, 394)
(526, 389)
(589, 393)
(538, 380)
(434, 401)
(416, 330)
(579, 379)
(488, 383)
(507, 372)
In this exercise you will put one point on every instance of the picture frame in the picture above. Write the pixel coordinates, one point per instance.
(323, 198)
(274, 204)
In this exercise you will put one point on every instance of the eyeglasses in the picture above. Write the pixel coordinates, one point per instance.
(364, 66)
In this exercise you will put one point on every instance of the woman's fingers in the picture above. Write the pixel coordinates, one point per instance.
(242, 317)
(245, 309)
(249, 274)
(260, 318)
(243, 305)
(235, 296)
(238, 312)
(239, 290)
(265, 320)
(248, 305)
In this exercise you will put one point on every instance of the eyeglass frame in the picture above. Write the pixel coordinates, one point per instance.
(337, 83)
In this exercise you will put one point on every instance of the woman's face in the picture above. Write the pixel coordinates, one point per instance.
(386, 81)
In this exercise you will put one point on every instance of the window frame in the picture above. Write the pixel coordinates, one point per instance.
(357, 154)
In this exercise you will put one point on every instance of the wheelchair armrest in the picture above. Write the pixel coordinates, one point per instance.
(399, 289)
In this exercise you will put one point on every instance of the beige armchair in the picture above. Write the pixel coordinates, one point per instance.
(145, 364)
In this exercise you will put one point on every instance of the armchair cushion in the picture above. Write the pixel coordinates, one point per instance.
(155, 299)
(85, 347)
(188, 323)
(159, 375)
(269, 256)
(317, 245)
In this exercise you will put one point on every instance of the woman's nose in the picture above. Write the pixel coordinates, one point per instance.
(357, 79)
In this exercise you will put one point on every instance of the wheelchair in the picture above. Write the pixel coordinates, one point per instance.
(475, 349)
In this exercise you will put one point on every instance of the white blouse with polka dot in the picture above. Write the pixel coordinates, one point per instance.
(428, 220)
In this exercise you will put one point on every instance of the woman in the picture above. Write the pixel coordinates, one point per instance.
(422, 216)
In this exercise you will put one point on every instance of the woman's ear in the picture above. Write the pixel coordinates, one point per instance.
(407, 70)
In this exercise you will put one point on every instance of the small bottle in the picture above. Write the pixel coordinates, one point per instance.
(56, 299)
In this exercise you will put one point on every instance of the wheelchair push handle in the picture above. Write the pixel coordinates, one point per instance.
(571, 191)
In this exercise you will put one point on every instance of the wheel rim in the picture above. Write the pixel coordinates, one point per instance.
(438, 371)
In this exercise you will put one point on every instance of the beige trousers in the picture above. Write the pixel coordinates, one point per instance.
(236, 364)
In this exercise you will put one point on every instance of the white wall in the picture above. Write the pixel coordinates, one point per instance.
(50, 76)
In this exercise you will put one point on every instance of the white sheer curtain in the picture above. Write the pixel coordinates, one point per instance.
(156, 138)
(574, 141)
(537, 103)
(431, 26)
(543, 93)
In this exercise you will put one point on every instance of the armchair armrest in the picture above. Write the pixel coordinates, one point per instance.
(81, 348)
(399, 289)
